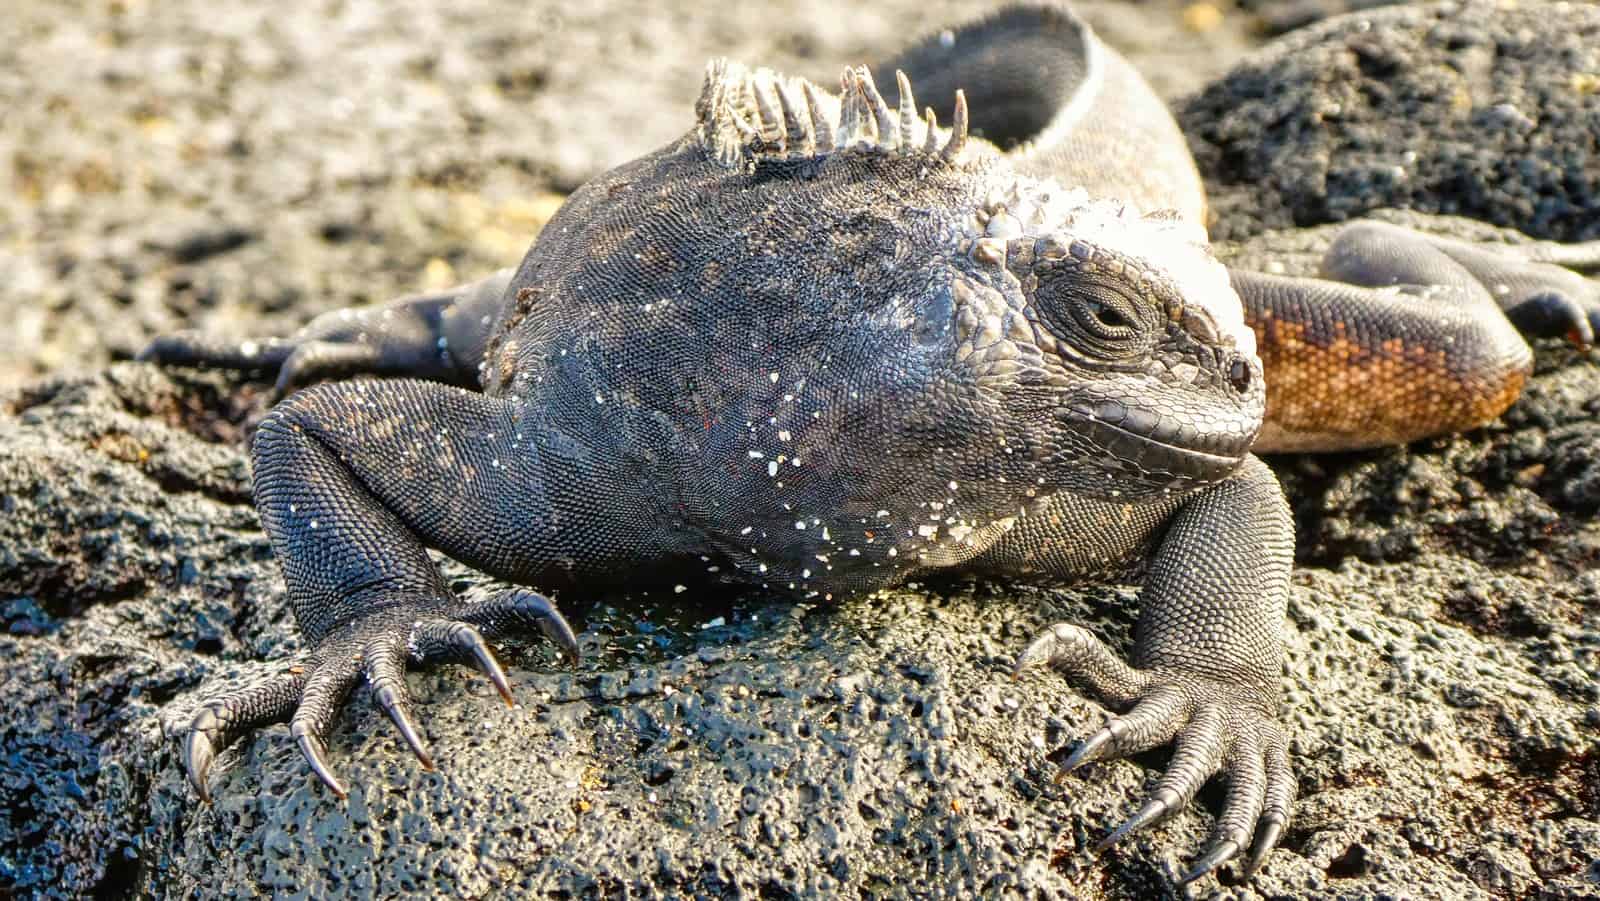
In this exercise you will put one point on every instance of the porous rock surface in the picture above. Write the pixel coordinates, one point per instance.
(1443, 674)
(1484, 110)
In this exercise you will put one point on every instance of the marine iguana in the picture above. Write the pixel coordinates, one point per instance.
(822, 344)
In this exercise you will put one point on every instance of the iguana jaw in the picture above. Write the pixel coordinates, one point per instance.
(1163, 451)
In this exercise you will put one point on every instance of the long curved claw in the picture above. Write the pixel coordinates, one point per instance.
(198, 753)
(514, 611)
(1089, 750)
(458, 639)
(1277, 804)
(1268, 833)
(1085, 660)
(326, 687)
(491, 667)
(1154, 809)
(1219, 854)
(316, 754)
(217, 723)
(395, 705)
(385, 666)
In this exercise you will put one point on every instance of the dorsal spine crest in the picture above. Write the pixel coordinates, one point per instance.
(745, 114)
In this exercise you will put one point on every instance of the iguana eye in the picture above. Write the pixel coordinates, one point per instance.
(1095, 317)
(1100, 316)
(1108, 317)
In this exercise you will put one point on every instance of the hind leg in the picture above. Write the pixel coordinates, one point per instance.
(439, 337)
(1408, 335)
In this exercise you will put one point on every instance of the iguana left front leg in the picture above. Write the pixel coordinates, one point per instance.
(1208, 655)
(354, 493)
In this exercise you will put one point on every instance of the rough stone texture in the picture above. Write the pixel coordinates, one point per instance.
(1443, 676)
(1476, 109)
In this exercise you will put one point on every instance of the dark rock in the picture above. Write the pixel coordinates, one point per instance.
(1280, 16)
(1471, 109)
(193, 243)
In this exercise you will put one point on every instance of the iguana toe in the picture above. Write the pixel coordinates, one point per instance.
(456, 640)
(1280, 789)
(218, 722)
(1541, 287)
(516, 611)
(1152, 722)
(1247, 784)
(1087, 663)
(1233, 737)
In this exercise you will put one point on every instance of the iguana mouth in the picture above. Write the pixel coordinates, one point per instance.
(1157, 443)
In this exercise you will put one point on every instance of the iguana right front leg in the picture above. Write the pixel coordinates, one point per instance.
(440, 337)
(352, 494)
(1208, 656)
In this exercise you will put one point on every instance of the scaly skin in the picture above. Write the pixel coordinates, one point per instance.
(821, 345)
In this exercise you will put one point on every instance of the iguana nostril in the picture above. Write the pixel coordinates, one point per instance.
(1239, 375)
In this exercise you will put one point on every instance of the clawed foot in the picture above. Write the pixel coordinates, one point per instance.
(376, 647)
(1218, 727)
(1561, 302)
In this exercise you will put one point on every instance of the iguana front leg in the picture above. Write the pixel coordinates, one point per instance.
(1207, 661)
(1408, 335)
(352, 494)
(440, 337)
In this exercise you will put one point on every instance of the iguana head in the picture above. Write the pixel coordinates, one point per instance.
(1054, 340)
(1114, 338)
